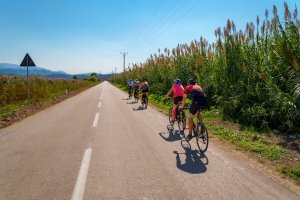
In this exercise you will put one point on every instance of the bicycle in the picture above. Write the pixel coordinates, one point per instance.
(144, 100)
(130, 94)
(136, 95)
(201, 135)
(181, 117)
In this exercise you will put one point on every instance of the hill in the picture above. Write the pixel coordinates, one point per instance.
(16, 70)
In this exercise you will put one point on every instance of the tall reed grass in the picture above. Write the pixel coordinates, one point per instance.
(252, 75)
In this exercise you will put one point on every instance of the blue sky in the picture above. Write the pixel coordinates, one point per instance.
(79, 36)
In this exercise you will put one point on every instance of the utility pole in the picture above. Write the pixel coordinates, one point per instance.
(124, 55)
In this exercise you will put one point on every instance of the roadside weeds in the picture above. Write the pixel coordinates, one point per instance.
(15, 112)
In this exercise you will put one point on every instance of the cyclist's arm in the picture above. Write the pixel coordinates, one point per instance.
(169, 92)
(183, 100)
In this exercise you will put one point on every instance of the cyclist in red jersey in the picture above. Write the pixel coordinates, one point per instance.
(198, 102)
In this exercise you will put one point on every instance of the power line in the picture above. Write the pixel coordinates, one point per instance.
(159, 21)
(173, 22)
(164, 22)
(145, 25)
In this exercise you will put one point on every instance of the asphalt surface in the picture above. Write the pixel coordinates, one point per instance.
(99, 145)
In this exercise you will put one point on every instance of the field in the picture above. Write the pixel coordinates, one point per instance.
(13, 94)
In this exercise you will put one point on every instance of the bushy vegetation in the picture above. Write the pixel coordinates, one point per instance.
(13, 90)
(252, 75)
(292, 171)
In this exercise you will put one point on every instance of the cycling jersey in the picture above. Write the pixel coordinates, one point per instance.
(178, 90)
(130, 83)
(199, 99)
(145, 87)
(136, 84)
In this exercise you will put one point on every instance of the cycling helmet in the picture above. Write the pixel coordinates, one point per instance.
(177, 81)
(192, 81)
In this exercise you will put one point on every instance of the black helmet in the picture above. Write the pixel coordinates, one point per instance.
(192, 81)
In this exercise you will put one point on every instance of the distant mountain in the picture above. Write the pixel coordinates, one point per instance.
(16, 70)
(12, 69)
(86, 75)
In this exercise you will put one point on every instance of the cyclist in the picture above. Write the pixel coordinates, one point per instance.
(198, 102)
(144, 87)
(177, 89)
(130, 83)
(136, 86)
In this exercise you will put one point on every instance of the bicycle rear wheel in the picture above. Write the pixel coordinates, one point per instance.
(170, 115)
(146, 102)
(202, 137)
(182, 122)
(136, 97)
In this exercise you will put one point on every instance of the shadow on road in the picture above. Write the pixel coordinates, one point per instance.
(137, 109)
(132, 102)
(195, 162)
(172, 134)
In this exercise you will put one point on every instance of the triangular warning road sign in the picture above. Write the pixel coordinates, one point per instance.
(27, 61)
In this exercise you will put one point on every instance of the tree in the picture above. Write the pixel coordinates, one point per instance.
(94, 74)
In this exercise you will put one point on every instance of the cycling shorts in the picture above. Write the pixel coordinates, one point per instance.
(177, 99)
(147, 90)
(194, 108)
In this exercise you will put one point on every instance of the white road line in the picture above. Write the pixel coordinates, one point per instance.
(99, 104)
(95, 123)
(82, 176)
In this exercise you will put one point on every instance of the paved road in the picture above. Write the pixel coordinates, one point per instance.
(96, 146)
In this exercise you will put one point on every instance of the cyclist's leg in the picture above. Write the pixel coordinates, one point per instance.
(129, 91)
(200, 116)
(143, 96)
(192, 112)
(174, 111)
(177, 102)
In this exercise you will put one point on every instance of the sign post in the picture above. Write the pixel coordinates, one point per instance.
(28, 62)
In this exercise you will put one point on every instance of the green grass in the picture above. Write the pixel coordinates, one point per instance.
(293, 172)
(13, 94)
(8, 110)
(248, 141)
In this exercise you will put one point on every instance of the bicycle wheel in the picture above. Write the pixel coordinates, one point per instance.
(146, 102)
(182, 122)
(136, 97)
(202, 137)
(170, 115)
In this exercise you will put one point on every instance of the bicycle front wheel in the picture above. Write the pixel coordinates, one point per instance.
(202, 138)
